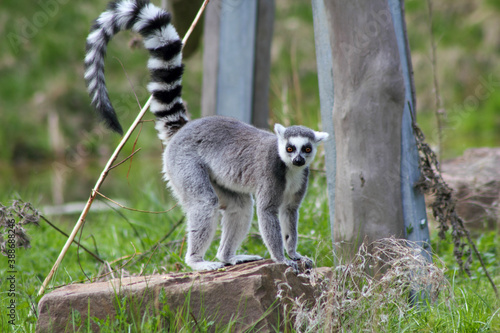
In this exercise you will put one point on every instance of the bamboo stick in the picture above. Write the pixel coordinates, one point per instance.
(108, 167)
(98, 184)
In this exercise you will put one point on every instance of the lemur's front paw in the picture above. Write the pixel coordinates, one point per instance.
(305, 263)
(292, 264)
(302, 261)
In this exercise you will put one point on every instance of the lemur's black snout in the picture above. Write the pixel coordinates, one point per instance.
(299, 161)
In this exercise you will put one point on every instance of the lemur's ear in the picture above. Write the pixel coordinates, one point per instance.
(320, 136)
(279, 130)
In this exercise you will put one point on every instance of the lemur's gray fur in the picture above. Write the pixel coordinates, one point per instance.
(212, 164)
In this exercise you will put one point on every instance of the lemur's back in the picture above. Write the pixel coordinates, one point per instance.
(237, 156)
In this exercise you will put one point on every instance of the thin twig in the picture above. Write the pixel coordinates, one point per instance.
(171, 230)
(119, 268)
(149, 259)
(439, 112)
(480, 258)
(157, 244)
(125, 159)
(133, 209)
(182, 246)
(133, 147)
(195, 321)
(75, 241)
(95, 243)
(118, 211)
(110, 270)
(78, 255)
(129, 82)
(105, 274)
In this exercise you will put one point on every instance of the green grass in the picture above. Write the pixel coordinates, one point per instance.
(44, 73)
(118, 234)
(471, 306)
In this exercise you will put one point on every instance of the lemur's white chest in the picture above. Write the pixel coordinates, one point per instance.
(294, 180)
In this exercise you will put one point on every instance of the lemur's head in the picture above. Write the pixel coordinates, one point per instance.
(297, 145)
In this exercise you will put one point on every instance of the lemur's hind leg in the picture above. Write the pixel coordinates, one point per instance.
(237, 213)
(201, 204)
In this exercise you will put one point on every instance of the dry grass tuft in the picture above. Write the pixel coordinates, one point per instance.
(25, 214)
(354, 299)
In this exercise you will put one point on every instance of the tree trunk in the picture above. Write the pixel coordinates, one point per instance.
(369, 102)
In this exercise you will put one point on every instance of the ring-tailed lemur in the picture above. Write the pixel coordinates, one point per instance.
(214, 163)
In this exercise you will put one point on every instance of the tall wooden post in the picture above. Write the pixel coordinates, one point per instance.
(325, 83)
(364, 47)
(236, 59)
(369, 101)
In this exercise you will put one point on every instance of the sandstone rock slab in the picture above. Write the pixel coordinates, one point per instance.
(245, 293)
(475, 177)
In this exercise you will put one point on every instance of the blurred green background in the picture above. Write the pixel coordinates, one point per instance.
(53, 146)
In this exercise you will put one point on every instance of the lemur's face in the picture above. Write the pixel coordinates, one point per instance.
(297, 145)
(297, 150)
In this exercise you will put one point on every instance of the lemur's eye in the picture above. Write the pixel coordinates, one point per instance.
(290, 149)
(307, 149)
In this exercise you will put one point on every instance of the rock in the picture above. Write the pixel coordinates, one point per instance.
(246, 292)
(475, 177)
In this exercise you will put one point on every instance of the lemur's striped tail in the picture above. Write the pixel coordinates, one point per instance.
(165, 62)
